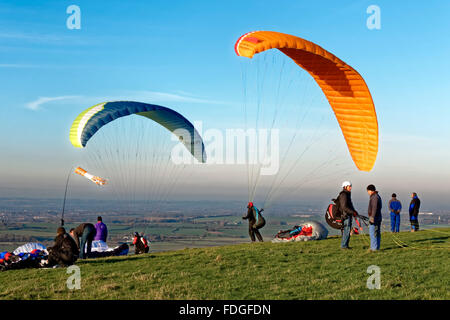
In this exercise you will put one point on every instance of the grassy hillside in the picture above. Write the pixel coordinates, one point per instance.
(300, 270)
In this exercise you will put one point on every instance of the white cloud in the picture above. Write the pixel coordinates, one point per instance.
(155, 96)
(14, 65)
(141, 96)
(36, 105)
(30, 37)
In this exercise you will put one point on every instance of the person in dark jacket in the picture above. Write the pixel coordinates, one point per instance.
(87, 232)
(374, 213)
(347, 212)
(65, 251)
(395, 207)
(414, 208)
(251, 216)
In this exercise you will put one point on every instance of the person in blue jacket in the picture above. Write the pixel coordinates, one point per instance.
(395, 206)
(414, 207)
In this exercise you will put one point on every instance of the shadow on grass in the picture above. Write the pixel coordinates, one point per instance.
(408, 242)
(440, 239)
(116, 259)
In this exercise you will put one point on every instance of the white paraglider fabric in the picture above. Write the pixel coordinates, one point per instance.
(28, 247)
(99, 246)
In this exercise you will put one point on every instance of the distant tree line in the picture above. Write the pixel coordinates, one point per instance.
(16, 238)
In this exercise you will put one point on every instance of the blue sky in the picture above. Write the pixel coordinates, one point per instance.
(180, 53)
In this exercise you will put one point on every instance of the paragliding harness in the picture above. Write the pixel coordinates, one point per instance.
(333, 215)
(140, 243)
(260, 221)
(335, 219)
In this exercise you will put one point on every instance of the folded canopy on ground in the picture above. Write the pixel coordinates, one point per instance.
(100, 246)
(304, 232)
(29, 247)
(100, 252)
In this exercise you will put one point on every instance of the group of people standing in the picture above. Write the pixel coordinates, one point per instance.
(395, 207)
(347, 212)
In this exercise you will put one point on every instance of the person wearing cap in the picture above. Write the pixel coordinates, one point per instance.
(414, 207)
(347, 211)
(251, 216)
(395, 206)
(374, 213)
(101, 230)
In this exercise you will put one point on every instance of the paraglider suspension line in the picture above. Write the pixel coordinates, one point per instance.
(65, 195)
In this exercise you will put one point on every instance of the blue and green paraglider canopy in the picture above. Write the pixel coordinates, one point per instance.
(92, 119)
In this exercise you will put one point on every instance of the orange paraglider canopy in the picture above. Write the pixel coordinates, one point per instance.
(342, 85)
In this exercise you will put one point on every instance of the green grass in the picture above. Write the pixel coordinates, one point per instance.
(300, 270)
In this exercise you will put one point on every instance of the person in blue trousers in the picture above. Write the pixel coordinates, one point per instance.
(374, 213)
(85, 231)
(347, 212)
(395, 207)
